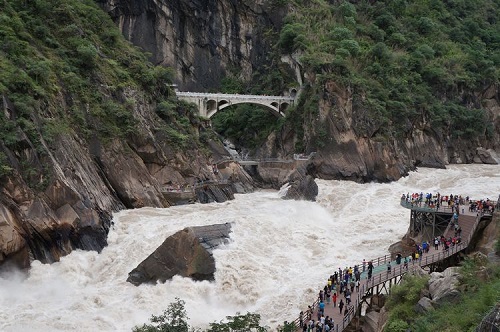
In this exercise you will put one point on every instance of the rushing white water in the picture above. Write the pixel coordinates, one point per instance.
(280, 255)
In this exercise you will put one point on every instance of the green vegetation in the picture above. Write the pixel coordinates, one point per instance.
(66, 69)
(408, 63)
(249, 125)
(175, 319)
(479, 293)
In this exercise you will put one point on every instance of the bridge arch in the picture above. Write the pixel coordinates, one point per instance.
(275, 107)
(210, 103)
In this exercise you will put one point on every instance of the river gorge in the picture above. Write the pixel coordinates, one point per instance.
(280, 254)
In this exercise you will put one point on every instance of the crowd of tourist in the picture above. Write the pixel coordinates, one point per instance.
(342, 283)
(435, 201)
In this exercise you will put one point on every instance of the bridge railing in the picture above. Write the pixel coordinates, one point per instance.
(422, 206)
(396, 271)
(229, 95)
(425, 207)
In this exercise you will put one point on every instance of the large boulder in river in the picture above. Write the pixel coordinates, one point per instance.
(187, 253)
(302, 187)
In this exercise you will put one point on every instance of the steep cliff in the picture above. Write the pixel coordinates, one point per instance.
(386, 87)
(202, 40)
(87, 127)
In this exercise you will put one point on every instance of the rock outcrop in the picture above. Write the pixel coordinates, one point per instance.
(201, 40)
(302, 188)
(187, 253)
(75, 185)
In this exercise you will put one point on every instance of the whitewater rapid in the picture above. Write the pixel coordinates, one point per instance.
(280, 254)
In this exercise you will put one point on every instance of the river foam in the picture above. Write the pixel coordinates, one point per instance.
(280, 254)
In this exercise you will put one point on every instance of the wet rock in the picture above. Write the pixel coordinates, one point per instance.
(484, 156)
(214, 192)
(187, 253)
(304, 188)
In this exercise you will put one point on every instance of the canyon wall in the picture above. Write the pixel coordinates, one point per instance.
(200, 40)
(69, 204)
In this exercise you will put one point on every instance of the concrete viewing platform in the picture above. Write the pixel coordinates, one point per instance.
(382, 280)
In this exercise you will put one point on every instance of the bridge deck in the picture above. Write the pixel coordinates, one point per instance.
(468, 221)
(232, 96)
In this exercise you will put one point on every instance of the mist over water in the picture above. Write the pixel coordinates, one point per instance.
(280, 254)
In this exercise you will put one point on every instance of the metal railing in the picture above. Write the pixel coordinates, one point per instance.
(395, 271)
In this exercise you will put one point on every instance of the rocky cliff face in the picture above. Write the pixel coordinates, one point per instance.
(201, 40)
(69, 204)
(347, 145)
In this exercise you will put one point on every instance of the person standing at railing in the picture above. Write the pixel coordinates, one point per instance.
(341, 305)
(370, 269)
(309, 312)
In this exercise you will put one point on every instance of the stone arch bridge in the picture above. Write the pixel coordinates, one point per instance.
(210, 103)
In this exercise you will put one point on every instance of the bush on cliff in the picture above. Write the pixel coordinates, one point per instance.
(65, 69)
(408, 64)
(480, 287)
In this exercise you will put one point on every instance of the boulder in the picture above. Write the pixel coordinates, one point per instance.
(214, 192)
(303, 187)
(371, 323)
(484, 156)
(187, 253)
(443, 287)
(424, 305)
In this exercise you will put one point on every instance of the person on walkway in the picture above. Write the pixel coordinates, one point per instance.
(348, 297)
(301, 318)
(341, 305)
(310, 326)
(321, 308)
(334, 298)
(388, 269)
(364, 265)
(357, 285)
(405, 263)
(328, 295)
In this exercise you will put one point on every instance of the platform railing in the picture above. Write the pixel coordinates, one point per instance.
(395, 271)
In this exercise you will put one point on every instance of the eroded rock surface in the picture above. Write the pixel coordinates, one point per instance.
(187, 253)
(443, 287)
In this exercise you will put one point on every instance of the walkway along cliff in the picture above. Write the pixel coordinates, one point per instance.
(382, 279)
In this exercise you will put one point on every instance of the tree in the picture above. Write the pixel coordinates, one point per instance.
(238, 323)
(174, 319)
